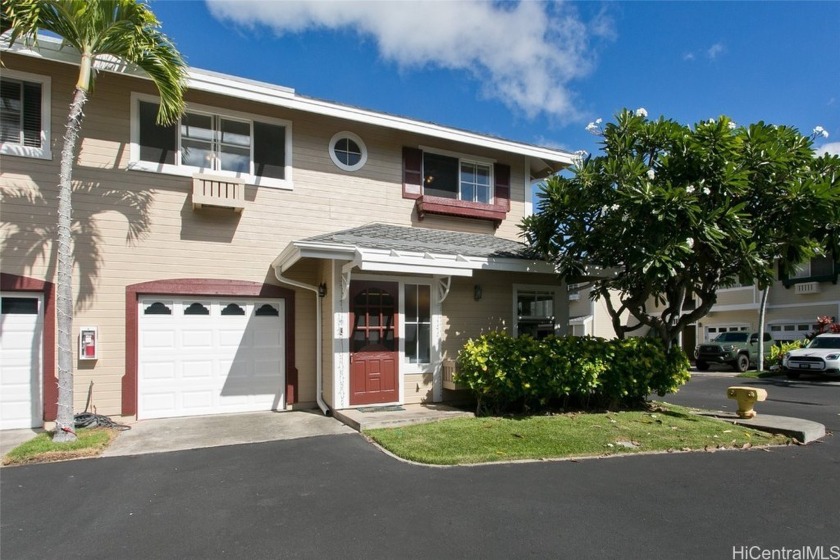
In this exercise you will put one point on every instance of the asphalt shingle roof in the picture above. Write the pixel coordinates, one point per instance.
(397, 238)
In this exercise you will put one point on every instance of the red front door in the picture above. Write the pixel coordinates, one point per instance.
(374, 352)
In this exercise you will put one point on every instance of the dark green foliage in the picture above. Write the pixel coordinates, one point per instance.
(523, 374)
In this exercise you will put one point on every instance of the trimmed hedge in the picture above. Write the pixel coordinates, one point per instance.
(523, 374)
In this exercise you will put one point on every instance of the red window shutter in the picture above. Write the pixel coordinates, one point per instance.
(412, 172)
(502, 174)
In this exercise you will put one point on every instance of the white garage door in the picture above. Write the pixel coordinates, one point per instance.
(21, 336)
(209, 356)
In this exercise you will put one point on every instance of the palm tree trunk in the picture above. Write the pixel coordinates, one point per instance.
(64, 428)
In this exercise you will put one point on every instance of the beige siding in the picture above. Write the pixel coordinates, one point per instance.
(738, 296)
(829, 295)
(135, 226)
(465, 318)
(418, 387)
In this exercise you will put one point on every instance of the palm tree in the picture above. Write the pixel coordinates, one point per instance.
(122, 29)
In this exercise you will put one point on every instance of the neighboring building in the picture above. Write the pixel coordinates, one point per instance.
(793, 304)
(272, 251)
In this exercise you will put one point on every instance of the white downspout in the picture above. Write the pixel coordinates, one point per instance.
(319, 339)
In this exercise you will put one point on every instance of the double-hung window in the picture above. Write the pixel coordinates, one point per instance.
(24, 115)
(257, 149)
(453, 177)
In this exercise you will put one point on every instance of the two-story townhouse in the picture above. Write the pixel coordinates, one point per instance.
(271, 251)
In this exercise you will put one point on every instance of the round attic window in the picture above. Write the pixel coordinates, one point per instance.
(348, 151)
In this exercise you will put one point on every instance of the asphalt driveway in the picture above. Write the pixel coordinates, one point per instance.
(337, 496)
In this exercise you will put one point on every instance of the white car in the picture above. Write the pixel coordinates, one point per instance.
(820, 356)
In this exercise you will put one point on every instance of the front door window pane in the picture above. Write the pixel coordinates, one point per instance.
(418, 325)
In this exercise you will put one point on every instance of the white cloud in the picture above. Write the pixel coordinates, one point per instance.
(715, 51)
(712, 53)
(830, 148)
(524, 55)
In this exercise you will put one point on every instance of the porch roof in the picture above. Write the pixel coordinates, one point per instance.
(388, 248)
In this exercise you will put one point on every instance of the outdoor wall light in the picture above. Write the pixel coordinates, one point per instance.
(322, 290)
(477, 292)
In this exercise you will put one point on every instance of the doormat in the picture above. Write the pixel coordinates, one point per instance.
(390, 408)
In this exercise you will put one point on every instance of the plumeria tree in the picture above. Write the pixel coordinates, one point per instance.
(128, 31)
(668, 214)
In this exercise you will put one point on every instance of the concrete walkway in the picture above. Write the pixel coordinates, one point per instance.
(196, 432)
(367, 418)
(177, 434)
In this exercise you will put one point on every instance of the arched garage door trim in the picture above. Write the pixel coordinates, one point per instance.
(201, 287)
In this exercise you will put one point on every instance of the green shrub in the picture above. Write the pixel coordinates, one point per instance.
(523, 374)
(777, 351)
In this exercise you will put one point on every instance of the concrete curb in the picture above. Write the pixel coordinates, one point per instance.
(805, 431)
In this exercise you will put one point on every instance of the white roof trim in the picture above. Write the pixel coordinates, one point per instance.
(261, 92)
(580, 320)
(407, 262)
(385, 261)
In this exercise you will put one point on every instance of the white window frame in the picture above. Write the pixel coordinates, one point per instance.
(136, 164)
(545, 288)
(730, 327)
(734, 288)
(359, 142)
(44, 152)
(468, 159)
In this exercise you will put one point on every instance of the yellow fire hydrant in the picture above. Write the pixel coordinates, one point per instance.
(746, 397)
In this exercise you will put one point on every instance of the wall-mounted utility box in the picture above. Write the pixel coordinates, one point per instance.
(88, 343)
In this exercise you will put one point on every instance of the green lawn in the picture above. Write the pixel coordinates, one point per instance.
(41, 449)
(480, 440)
(752, 374)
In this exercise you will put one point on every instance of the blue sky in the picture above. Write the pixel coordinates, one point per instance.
(531, 71)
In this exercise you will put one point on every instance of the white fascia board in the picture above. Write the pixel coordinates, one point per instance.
(261, 92)
(413, 258)
(287, 257)
(298, 250)
(736, 307)
(517, 265)
(404, 268)
(387, 260)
